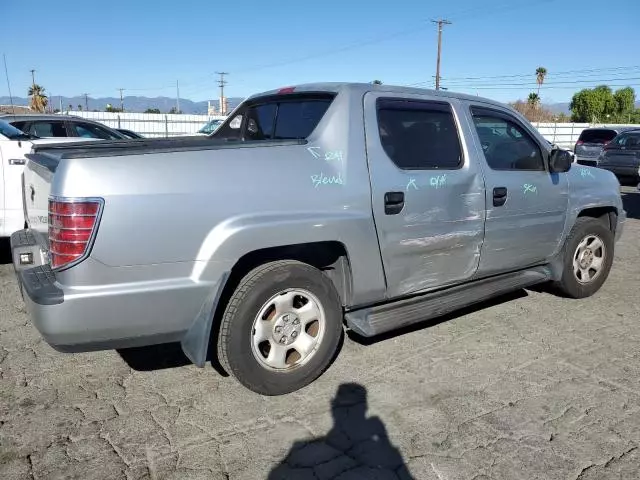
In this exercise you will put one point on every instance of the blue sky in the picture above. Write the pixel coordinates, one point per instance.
(145, 46)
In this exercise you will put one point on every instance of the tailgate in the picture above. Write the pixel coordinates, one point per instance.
(37, 178)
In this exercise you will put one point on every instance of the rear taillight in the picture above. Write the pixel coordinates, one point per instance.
(71, 227)
(579, 142)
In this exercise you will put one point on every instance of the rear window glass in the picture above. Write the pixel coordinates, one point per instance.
(597, 136)
(280, 117)
(628, 140)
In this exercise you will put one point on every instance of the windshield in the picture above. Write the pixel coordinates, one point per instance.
(11, 132)
(210, 127)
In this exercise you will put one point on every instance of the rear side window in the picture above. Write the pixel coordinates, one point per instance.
(419, 135)
(597, 136)
(283, 117)
(48, 129)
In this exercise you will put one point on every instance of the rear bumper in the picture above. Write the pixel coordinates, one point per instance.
(100, 317)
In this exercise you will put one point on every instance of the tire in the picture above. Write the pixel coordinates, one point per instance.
(581, 285)
(267, 312)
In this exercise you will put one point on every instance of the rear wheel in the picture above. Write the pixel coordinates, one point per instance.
(588, 255)
(281, 327)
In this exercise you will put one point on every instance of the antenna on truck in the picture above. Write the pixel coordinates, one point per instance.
(6, 72)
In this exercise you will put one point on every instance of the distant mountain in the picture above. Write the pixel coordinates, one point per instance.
(131, 103)
(557, 107)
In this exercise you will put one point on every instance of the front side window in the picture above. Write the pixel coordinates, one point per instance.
(419, 135)
(87, 130)
(506, 144)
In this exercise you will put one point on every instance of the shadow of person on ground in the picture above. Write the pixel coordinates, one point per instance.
(631, 202)
(357, 447)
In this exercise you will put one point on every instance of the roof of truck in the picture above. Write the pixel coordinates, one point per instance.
(365, 87)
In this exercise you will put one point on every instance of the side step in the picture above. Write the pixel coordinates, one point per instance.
(372, 321)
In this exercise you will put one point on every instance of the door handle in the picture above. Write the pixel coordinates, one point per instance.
(499, 196)
(393, 202)
(17, 161)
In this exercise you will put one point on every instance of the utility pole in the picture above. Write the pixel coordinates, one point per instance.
(221, 83)
(86, 101)
(439, 23)
(177, 97)
(121, 101)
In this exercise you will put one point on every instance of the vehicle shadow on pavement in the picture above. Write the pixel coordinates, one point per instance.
(506, 298)
(5, 251)
(160, 357)
(631, 202)
(356, 447)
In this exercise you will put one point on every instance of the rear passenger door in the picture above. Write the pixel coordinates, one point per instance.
(526, 204)
(428, 198)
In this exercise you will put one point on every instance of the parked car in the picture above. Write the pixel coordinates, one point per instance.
(590, 143)
(14, 145)
(129, 133)
(210, 127)
(49, 126)
(621, 156)
(311, 205)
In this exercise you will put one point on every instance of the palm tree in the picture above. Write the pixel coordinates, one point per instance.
(541, 73)
(39, 99)
(533, 99)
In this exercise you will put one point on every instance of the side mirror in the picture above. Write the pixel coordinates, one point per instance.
(560, 160)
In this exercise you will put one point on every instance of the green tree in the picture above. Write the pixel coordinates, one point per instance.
(541, 73)
(111, 108)
(593, 105)
(625, 99)
(39, 99)
(377, 82)
(152, 110)
(533, 99)
(173, 111)
(79, 107)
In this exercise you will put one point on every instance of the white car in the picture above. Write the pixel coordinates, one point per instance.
(14, 144)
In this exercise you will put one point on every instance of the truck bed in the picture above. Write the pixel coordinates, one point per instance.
(147, 146)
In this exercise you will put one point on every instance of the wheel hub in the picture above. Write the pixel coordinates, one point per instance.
(586, 258)
(286, 328)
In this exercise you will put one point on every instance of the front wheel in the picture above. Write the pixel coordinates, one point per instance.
(588, 255)
(281, 327)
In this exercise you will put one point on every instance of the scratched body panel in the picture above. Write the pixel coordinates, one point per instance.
(526, 229)
(435, 240)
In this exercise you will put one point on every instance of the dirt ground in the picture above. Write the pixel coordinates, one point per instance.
(529, 386)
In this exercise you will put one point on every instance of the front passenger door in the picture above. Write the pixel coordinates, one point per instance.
(526, 204)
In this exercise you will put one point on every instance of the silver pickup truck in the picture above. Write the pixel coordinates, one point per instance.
(311, 208)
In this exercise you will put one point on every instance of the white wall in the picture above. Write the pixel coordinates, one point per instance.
(161, 125)
(150, 124)
(566, 134)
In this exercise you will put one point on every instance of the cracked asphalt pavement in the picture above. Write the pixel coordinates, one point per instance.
(529, 386)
